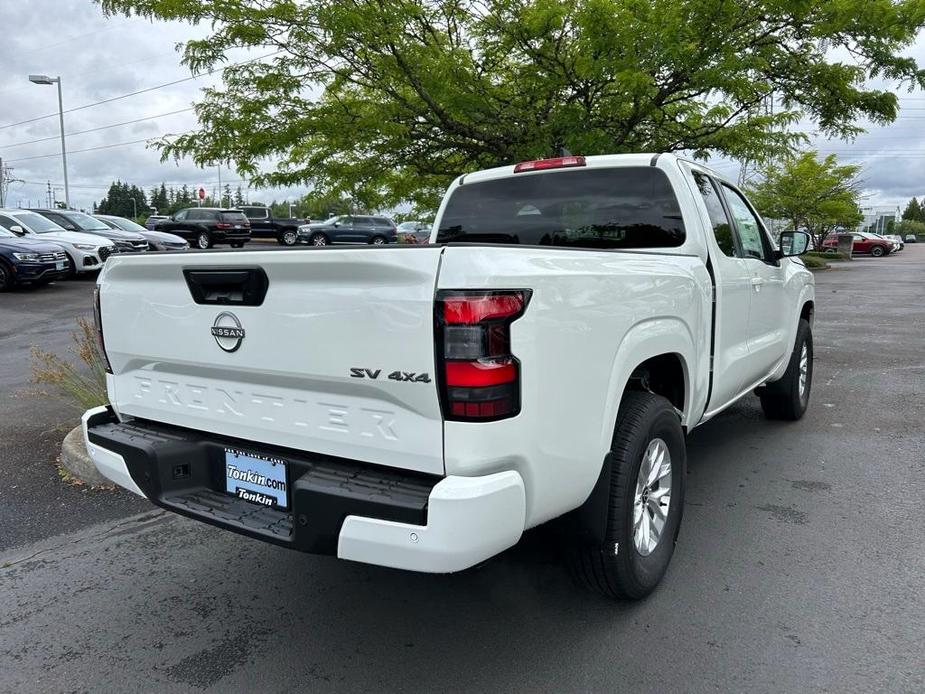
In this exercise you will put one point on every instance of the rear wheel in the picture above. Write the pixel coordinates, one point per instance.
(288, 238)
(318, 240)
(788, 398)
(648, 463)
(877, 251)
(204, 241)
(378, 241)
(237, 245)
(6, 277)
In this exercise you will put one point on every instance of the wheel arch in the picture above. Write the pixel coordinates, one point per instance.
(656, 355)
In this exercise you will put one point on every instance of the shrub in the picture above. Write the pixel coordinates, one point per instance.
(909, 226)
(814, 262)
(81, 386)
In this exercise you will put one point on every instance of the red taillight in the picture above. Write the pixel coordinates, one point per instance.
(555, 163)
(477, 374)
(98, 325)
(476, 308)
(480, 378)
(222, 225)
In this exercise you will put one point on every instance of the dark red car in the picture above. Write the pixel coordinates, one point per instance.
(869, 244)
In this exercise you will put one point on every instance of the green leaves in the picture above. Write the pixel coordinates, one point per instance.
(391, 99)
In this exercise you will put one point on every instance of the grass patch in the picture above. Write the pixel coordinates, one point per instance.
(828, 257)
(814, 262)
(81, 386)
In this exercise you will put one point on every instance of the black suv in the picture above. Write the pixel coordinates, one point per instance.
(350, 229)
(203, 227)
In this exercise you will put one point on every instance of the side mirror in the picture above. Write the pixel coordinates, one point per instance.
(16, 229)
(337, 224)
(793, 243)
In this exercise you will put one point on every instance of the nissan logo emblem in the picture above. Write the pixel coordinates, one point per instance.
(227, 331)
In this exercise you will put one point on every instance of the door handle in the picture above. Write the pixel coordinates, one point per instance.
(756, 283)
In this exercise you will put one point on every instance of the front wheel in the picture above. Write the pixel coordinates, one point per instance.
(318, 240)
(876, 251)
(788, 398)
(204, 241)
(378, 241)
(288, 238)
(648, 463)
(6, 277)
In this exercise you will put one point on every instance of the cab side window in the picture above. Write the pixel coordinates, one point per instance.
(722, 229)
(6, 222)
(181, 215)
(751, 235)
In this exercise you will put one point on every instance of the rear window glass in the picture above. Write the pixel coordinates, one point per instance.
(233, 217)
(630, 207)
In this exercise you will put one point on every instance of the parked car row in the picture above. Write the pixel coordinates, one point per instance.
(38, 246)
(866, 243)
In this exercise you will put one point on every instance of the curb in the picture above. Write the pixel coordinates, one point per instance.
(75, 460)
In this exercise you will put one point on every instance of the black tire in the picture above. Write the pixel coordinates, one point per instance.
(877, 251)
(237, 245)
(784, 399)
(318, 240)
(71, 268)
(618, 569)
(6, 277)
(378, 241)
(204, 240)
(289, 237)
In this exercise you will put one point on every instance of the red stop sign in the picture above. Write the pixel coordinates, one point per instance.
(202, 193)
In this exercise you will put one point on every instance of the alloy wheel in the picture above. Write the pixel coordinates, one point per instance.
(804, 371)
(653, 497)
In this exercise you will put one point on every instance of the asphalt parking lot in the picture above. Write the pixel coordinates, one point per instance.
(800, 565)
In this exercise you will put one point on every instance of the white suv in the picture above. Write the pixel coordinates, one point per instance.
(87, 252)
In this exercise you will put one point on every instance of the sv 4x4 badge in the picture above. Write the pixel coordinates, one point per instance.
(394, 376)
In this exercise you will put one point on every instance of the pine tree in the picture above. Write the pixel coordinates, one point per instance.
(913, 210)
(238, 197)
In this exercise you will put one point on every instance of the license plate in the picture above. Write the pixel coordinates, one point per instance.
(256, 478)
(59, 265)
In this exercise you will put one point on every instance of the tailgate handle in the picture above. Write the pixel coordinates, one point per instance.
(231, 286)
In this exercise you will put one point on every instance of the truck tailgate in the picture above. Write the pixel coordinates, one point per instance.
(312, 369)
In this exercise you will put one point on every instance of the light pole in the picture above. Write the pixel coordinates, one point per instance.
(45, 79)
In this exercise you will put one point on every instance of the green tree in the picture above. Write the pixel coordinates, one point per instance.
(913, 211)
(388, 100)
(813, 195)
(118, 200)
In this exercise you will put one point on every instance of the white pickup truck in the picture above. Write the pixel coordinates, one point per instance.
(419, 407)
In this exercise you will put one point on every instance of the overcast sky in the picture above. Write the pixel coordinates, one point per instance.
(100, 58)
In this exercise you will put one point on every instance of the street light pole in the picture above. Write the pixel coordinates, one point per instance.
(45, 79)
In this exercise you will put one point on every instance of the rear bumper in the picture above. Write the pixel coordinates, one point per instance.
(353, 510)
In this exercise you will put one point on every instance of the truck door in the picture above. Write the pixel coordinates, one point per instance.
(732, 278)
(767, 324)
